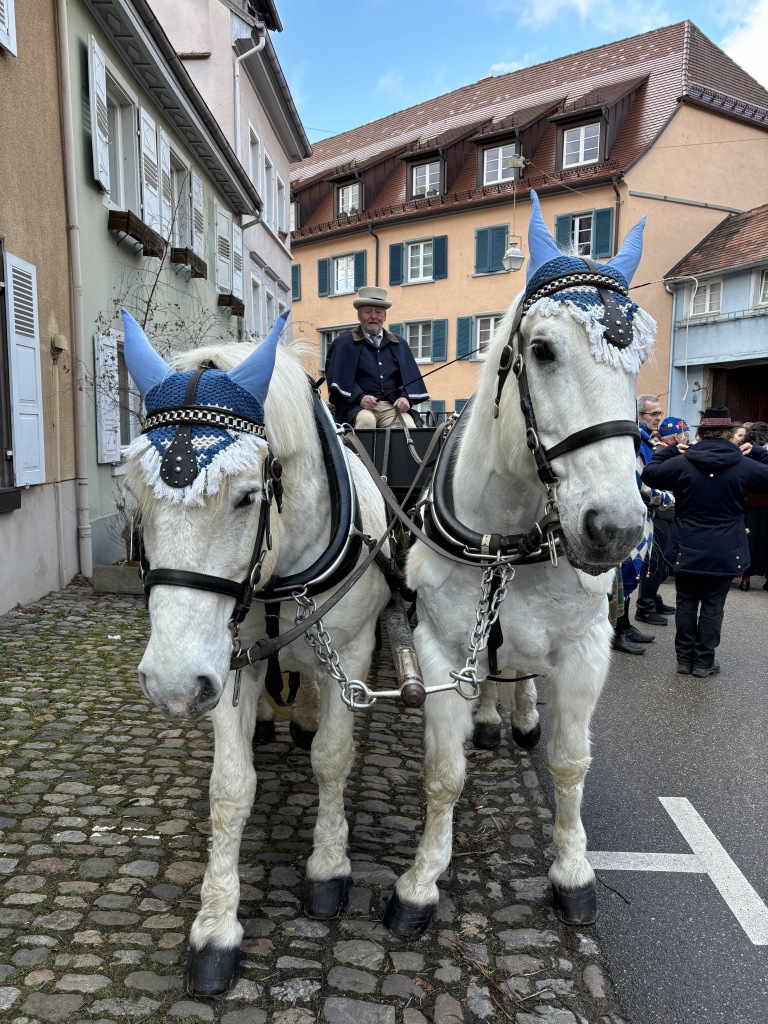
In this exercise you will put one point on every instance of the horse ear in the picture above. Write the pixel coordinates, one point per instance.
(255, 372)
(146, 367)
(541, 244)
(627, 258)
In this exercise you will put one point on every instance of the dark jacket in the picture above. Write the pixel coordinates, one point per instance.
(710, 482)
(342, 375)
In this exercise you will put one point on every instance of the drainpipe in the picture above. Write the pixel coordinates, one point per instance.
(376, 261)
(85, 554)
(616, 236)
(261, 28)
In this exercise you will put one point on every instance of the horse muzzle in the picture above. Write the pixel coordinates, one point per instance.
(182, 700)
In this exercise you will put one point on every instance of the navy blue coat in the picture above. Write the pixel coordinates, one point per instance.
(710, 482)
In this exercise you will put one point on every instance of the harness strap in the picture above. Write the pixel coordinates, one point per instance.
(274, 678)
(495, 635)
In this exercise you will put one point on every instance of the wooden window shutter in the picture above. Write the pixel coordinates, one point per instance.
(323, 276)
(237, 262)
(167, 212)
(440, 257)
(459, 404)
(497, 248)
(602, 232)
(25, 372)
(396, 263)
(8, 26)
(223, 250)
(296, 282)
(437, 406)
(360, 268)
(396, 329)
(464, 326)
(482, 250)
(97, 89)
(439, 341)
(198, 215)
(564, 232)
(150, 172)
(107, 398)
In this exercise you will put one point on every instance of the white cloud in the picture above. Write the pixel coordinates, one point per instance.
(746, 43)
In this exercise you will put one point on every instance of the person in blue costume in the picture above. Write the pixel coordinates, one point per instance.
(371, 373)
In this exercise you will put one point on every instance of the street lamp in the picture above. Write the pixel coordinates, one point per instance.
(513, 258)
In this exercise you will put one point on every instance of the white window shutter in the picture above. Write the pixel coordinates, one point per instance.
(166, 187)
(150, 171)
(107, 398)
(237, 261)
(8, 26)
(223, 250)
(97, 87)
(26, 374)
(198, 215)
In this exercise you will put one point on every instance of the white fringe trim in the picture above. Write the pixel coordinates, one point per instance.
(242, 454)
(630, 358)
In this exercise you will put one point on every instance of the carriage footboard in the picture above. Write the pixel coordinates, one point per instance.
(404, 655)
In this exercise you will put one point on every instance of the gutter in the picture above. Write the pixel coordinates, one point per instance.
(261, 28)
(85, 553)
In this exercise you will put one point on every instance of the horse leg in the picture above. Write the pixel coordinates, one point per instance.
(264, 731)
(305, 714)
(214, 949)
(526, 729)
(575, 686)
(486, 734)
(447, 726)
(326, 883)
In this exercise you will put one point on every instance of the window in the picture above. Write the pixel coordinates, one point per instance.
(348, 199)
(588, 234)
(425, 179)
(581, 145)
(427, 339)
(280, 205)
(269, 192)
(254, 158)
(327, 338)
(496, 164)
(474, 333)
(706, 298)
(21, 418)
(340, 275)
(490, 246)
(117, 147)
(294, 217)
(257, 313)
(270, 310)
(762, 294)
(229, 253)
(486, 325)
(419, 338)
(180, 202)
(118, 403)
(8, 26)
(419, 261)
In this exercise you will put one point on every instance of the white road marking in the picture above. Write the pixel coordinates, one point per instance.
(708, 857)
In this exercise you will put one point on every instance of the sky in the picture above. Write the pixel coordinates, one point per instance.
(348, 62)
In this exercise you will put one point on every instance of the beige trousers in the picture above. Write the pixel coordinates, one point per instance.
(384, 415)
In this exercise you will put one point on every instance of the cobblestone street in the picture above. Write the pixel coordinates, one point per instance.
(103, 835)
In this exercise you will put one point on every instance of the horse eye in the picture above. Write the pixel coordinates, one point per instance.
(542, 352)
(249, 499)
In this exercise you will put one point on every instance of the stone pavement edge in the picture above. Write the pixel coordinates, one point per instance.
(104, 827)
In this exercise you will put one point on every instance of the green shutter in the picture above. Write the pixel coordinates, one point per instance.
(360, 264)
(396, 263)
(602, 233)
(439, 341)
(459, 403)
(482, 250)
(396, 329)
(464, 326)
(437, 406)
(323, 276)
(296, 281)
(564, 232)
(440, 257)
(498, 247)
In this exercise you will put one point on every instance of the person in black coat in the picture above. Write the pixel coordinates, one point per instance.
(710, 482)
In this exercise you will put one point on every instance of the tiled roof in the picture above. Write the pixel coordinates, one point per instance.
(741, 239)
(664, 66)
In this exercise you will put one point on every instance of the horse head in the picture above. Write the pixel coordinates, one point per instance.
(200, 474)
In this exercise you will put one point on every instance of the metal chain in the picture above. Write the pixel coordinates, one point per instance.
(465, 680)
(319, 639)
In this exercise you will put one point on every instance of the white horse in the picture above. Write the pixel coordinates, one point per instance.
(203, 476)
(555, 447)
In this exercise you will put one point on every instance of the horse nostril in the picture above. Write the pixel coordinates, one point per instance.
(591, 527)
(206, 691)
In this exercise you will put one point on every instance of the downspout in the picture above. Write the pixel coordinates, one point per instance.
(376, 261)
(262, 28)
(85, 553)
(616, 236)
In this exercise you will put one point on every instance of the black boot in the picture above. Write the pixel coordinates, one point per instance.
(621, 642)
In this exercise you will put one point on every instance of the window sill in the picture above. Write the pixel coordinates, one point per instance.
(125, 224)
(423, 280)
(187, 258)
(490, 273)
(10, 499)
(235, 306)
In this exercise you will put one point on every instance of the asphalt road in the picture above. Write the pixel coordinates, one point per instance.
(686, 937)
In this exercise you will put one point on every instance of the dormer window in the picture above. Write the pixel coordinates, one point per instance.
(581, 145)
(496, 164)
(425, 179)
(348, 199)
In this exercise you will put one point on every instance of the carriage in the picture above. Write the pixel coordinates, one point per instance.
(264, 535)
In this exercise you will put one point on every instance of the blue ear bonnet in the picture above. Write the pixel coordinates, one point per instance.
(556, 268)
(215, 388)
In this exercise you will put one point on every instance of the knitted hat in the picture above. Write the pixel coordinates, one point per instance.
(672, 425)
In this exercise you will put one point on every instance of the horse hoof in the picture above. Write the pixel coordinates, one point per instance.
(264, 733)
(486, 736)
(578, 906)
(527, 740)
(212, 971)
(408, 920)
(302, 738)
(324, 900)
